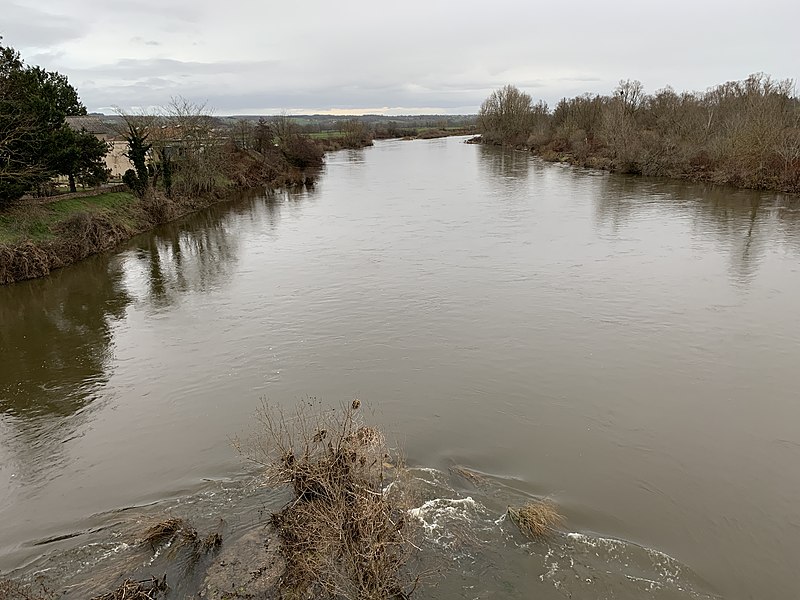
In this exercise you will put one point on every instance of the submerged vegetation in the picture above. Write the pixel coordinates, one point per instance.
(745, 133)
(177, 533)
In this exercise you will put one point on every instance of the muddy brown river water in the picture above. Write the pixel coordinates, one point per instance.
(627, 347)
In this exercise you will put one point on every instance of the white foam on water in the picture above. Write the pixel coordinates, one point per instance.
(432, 512)
(445, 520)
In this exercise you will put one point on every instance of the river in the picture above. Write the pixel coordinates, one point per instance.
(627, 347)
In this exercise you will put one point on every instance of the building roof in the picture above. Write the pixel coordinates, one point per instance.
(96, 124)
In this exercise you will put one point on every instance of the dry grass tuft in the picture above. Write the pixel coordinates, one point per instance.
(346, 533)
(180, 540)
(85, 233)
(536, 519)
(25, 260)
(159, 209)
(150, 589)
(212, 541)
(165, 532)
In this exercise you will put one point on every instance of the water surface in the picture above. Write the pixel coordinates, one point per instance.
(627, 347)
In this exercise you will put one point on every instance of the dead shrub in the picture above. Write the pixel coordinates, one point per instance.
(13, 590)
(537, 139)
(302, 152)
(537, 519)
(86, 233)
(149, 589)
(159, 209)
(23, 261)
(345, 533)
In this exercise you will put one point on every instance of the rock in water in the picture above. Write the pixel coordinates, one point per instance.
(251, 567)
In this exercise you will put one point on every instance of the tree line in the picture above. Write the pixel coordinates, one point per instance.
(36, 144)
(745, 133)
(178, 149)
(182, 149)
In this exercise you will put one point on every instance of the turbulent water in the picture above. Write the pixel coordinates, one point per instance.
(626, 347)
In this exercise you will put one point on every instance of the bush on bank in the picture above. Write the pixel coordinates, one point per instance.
(745, 133)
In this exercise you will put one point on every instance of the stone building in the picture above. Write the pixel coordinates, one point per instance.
(106, 128)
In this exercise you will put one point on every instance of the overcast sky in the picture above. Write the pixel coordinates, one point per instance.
(260, 56)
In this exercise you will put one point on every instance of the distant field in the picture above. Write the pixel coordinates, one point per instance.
(325, 135)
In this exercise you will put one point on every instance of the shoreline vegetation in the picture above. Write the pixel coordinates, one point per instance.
(181, 157)
(740, 133)
(39, 235)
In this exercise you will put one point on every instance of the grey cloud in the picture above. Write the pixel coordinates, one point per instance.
(45, 58)
(29, 27)
(140, 40)
(168, 67)
(157, 92)
(425, 53)
(154, 12)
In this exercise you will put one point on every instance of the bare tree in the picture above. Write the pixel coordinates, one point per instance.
(243, 134)
(506, 116)
(193, 148)
(355, 133)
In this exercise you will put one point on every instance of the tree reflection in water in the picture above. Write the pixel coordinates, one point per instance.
(57, 341)
(742, 223)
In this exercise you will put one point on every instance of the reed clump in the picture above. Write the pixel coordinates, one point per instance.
(537, 519)
(167, 531)
(179, 537)
(345, 534)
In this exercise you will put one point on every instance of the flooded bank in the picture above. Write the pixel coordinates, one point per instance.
(624, 346)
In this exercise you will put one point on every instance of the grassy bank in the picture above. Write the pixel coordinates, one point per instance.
(41, 222)
(37, 238)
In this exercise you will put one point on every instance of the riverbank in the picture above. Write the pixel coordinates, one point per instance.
(35, 239)
(699, 173)
(426, 133)
(741, 133)
(557, 152)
